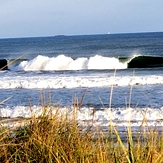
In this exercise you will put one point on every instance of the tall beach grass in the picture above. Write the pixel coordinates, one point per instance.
(54, 137)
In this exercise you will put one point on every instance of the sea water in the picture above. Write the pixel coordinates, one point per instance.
(61, 68)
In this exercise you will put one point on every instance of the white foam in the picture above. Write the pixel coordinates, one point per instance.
(119, 116)
(87, 81)
(99, 62)
(63, 62)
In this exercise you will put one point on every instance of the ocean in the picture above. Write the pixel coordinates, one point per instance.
(116, 77)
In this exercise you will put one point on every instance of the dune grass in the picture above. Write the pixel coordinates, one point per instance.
(56, 138)
(53, 137)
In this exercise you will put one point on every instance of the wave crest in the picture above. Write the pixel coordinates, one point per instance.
(63, 62)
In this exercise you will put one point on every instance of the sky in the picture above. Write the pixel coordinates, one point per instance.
(35, 18)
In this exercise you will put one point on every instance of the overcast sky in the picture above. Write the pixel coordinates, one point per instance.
(26, 18)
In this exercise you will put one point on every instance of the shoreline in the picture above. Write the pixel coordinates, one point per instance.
(59, 137)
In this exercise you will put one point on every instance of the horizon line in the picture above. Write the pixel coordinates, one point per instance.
(64, 35)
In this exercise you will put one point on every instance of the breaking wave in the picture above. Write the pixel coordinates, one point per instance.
(62, 62)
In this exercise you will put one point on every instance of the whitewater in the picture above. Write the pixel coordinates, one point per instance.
(63, 81)
(63, 62)
(120, 117)
(120, 75)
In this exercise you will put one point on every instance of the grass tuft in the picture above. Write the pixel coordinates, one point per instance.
(57, 138)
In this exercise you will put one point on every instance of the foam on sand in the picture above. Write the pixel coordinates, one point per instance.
(121, 117)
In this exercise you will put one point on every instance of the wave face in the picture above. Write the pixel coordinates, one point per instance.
(145, 62)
